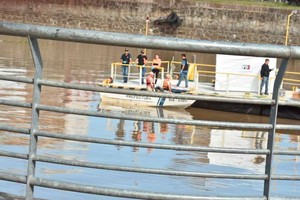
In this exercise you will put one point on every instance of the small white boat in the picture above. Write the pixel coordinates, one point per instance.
(137, 100)
(145, 111)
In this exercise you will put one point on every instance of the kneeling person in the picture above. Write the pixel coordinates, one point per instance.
(150, 82)
(167, 83)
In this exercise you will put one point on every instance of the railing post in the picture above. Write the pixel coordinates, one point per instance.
(162, 75)
(273, 121)
(112, 71)
(196, 78)
(140, 75)
(258, 82)
(128, 74)
(227, 83)
(37, 59)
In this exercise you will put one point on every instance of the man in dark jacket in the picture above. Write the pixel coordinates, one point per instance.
(125, 59)
(184, 70)
(264, 76)
(142, 59)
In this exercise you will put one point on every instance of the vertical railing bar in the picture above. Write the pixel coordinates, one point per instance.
(37, 59)
(273, 121)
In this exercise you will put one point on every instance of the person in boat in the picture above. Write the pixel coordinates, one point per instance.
(156, 63)
(125, 59)
(184, 70)
(142, 59)
(150, 82)
(264, 76)
(108, 81)
(167, 83)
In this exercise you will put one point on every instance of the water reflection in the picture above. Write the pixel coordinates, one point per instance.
(88, 64)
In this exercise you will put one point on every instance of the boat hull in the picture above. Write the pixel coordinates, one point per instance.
(289, 112)
(137, 100)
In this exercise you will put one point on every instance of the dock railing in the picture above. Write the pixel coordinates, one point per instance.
(31, 180)
(135, 70)
(208, 74)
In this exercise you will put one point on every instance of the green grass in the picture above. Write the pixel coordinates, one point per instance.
(271, 4)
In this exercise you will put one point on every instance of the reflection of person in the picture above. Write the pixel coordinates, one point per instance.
(156, 62)
(264, 76)
(136, 134)
(167, 83)
(150, 82)
(141, 59)
(184, 70)
(148, 127)
(125, 59)
(120, 130)
(151, 134)
(163, 128)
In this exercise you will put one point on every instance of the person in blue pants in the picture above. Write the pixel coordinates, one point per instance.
(184, 71)
(125, 59)
(264, 75)
(142, 59)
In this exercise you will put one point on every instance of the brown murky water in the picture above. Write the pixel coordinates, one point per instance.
(89, 64)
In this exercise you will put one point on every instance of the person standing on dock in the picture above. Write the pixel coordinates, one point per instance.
(125, 59)
(156, 64)
(184, 70)
(264, 76)
(142, 59)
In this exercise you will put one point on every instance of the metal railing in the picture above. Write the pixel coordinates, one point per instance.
(31, 180)
(208, 71)
(116, 68)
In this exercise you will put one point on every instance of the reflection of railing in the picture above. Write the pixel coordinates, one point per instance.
(33, 156)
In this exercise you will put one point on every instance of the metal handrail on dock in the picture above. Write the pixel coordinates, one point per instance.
(293, 82)
(34, 32)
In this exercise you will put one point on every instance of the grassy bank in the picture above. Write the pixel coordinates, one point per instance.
(253, 3)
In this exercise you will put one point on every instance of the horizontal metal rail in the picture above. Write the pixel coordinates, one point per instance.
(156, 119)
(288, 127)
(14, 155)
(149, 42)
(12, 177)
(16, 79)
(287, 152)
(286, 177)
(80, 138)
(152, 94)
(124, 193)
(15, 103)
(78, 163)
(14, 129)
(147, 170)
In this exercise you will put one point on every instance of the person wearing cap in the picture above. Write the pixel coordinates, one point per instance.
(184, 70)
(125, 59)
(142, 60)
(150, 82)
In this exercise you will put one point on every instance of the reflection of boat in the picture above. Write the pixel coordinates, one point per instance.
(137, 100)
(238, 139)
(124, 107)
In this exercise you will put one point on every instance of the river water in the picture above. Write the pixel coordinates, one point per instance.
(90, 64)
